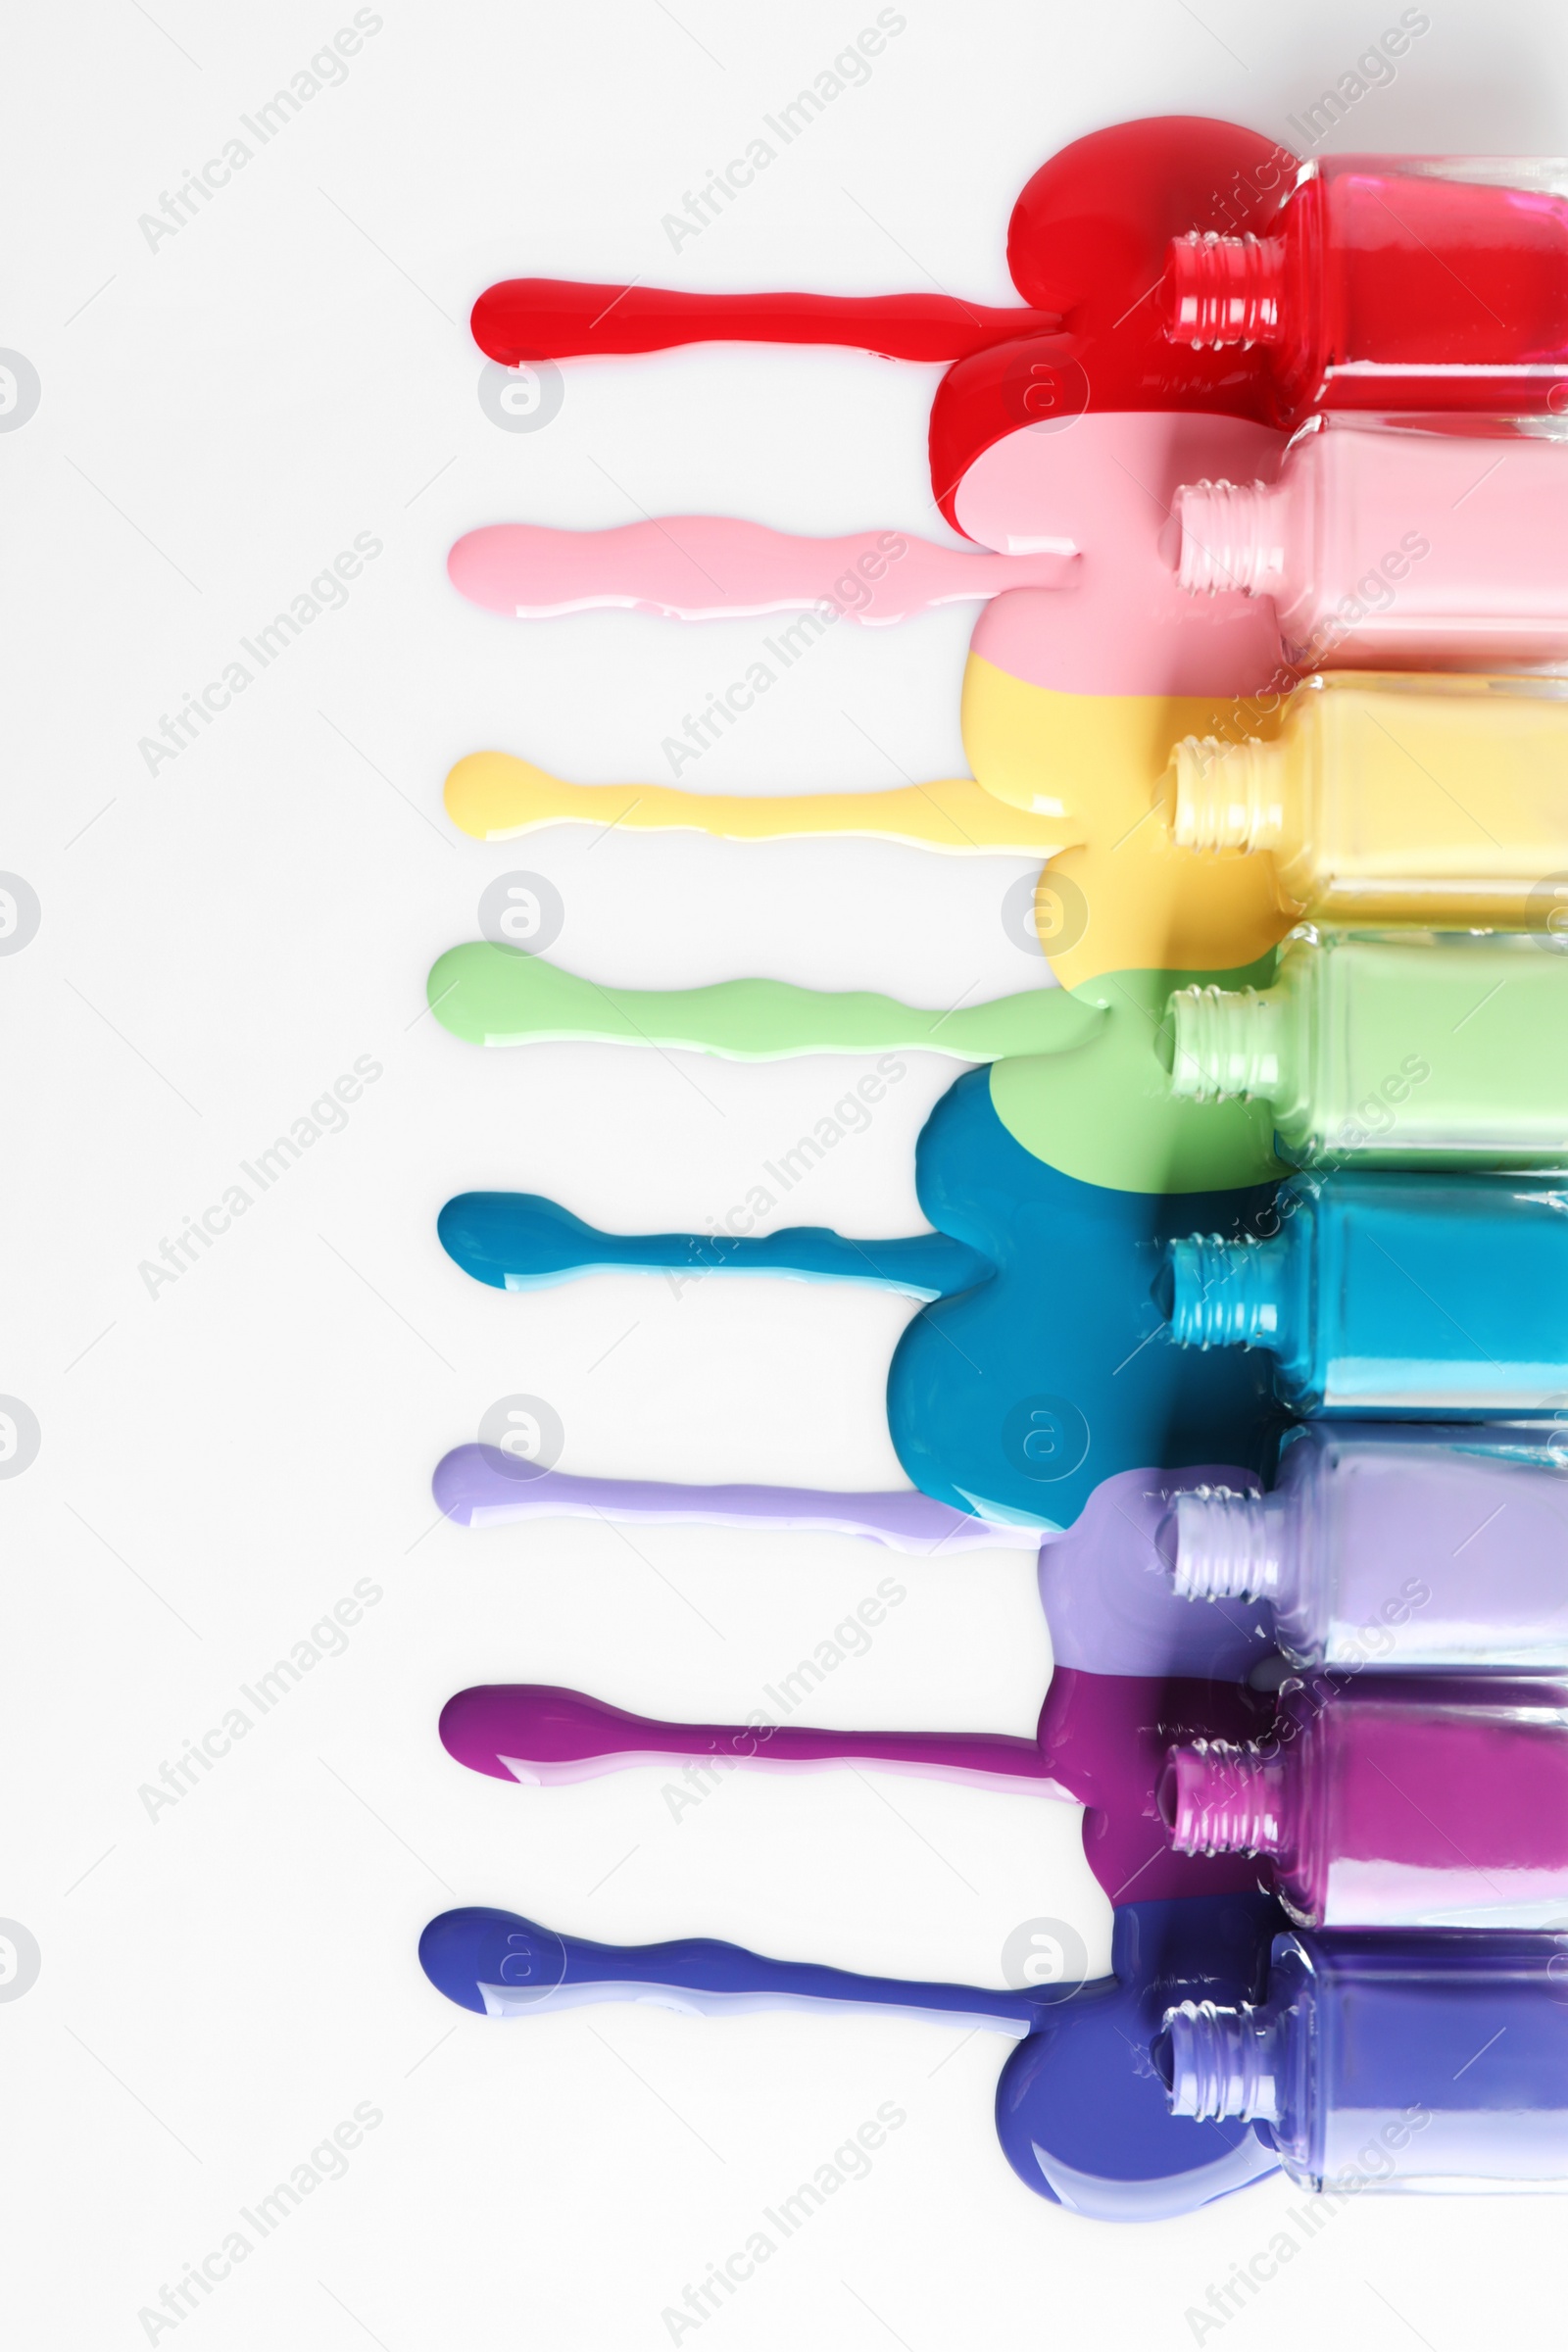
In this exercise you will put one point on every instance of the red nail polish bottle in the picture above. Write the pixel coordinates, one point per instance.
(1394, 282)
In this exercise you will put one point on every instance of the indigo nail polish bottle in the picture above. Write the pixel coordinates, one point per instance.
(1391, 2062)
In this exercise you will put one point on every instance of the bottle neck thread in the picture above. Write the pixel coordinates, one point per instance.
(1226, 795)
(1220, 290)
(1225, 1294)
(1225, 1042)
(1228, 1546)
(1221, 2062)
(1230, 538)
(1216, 1797)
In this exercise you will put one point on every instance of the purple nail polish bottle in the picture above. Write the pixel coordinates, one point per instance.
(1389, 1806)
(1405, 1548)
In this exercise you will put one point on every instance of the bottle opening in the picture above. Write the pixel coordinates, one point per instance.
(1230, 541)
(1223, 1294)
(1225, 1548)
(1217, 795)
(1224, 1041)
(1220, 290)
(1217, 2063)
(1217, 1798)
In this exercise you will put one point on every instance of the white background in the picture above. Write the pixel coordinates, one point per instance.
(221, 1985)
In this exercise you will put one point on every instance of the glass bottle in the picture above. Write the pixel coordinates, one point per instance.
(1386, 1807)
(1403, 1549)
(1443, 1051)
(1384, 544)
(1411, 1297)
(1433, 2061)
(1392, 281)
(1435, 800)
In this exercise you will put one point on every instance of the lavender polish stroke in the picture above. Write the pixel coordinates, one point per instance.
(479, 1485)
(1105, 1585)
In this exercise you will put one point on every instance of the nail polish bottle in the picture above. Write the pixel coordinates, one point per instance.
(1394, 544)
(1410, 1296)
(1443, 1051)
(1398, 282)
(1434, 2061)
(1393, 800)
(1390, 1806)
(1406, 1549)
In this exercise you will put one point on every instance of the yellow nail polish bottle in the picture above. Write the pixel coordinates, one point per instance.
(1437, 801)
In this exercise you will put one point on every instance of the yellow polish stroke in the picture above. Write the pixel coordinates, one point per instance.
(496, 797)
(1075, 780)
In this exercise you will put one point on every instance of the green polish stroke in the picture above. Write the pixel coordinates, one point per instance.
(496, 996)
(1080, 1078)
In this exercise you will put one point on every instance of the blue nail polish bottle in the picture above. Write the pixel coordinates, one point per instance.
(1404, 1294)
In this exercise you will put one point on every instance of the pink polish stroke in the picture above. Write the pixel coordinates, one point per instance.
(1100, 1743)
(536, 1731)
(710, 568)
